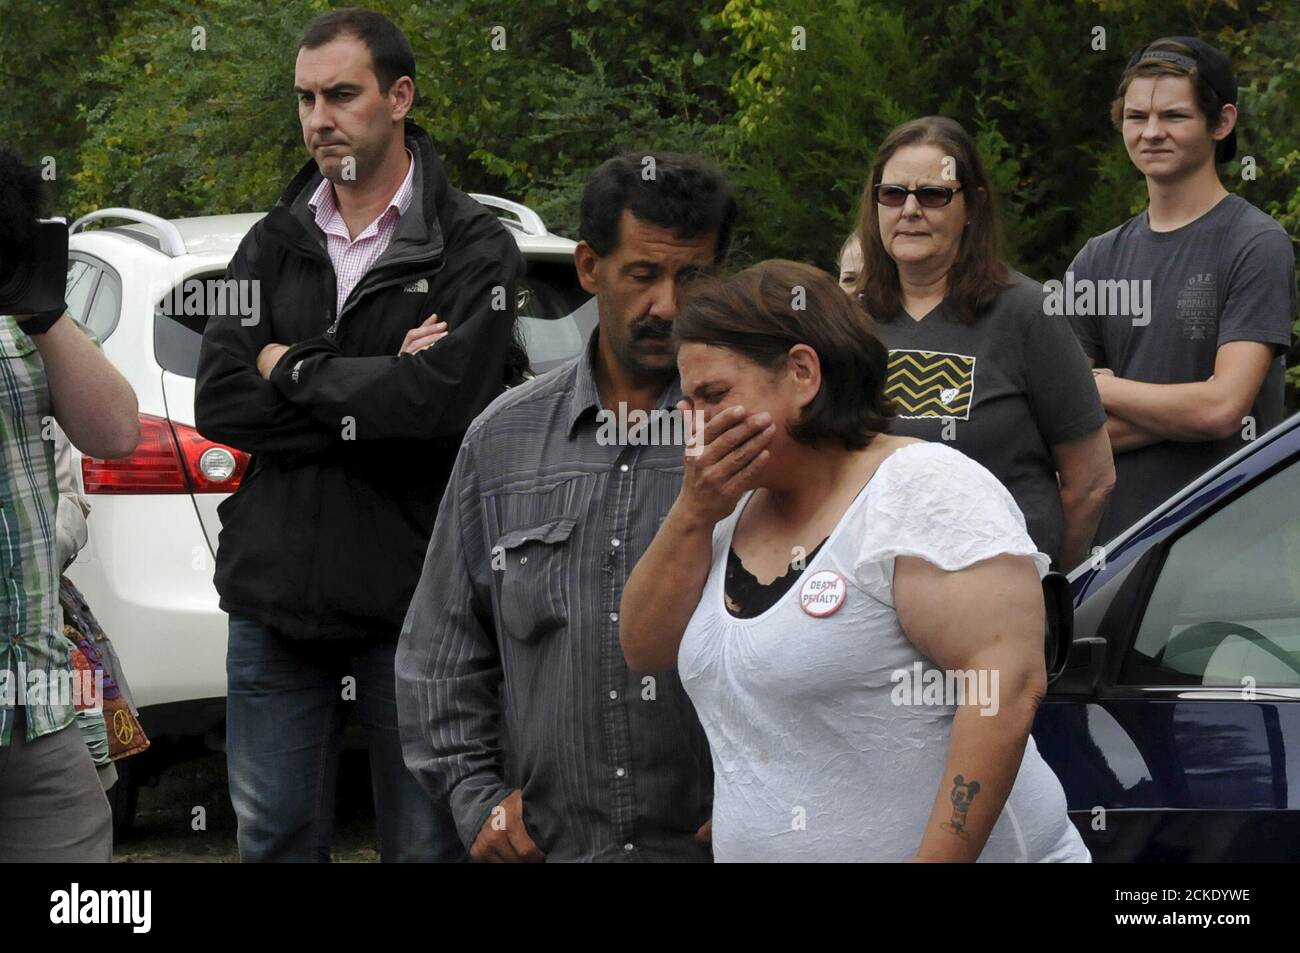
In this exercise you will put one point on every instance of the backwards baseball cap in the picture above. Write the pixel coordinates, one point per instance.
(1210, 64)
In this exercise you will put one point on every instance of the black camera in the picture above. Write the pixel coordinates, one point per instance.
(33, 251)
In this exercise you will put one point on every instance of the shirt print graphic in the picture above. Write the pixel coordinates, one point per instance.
(931, 383)
(1198, 306)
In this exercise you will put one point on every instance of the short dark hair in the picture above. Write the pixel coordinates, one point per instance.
(390, 50)
(753, 313)
(688, 194)
(980, 272)
(1207, 98)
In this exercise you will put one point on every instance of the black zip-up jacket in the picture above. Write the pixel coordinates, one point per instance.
(351, 444)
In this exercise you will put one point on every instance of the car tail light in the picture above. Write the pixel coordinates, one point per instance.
(170, 458)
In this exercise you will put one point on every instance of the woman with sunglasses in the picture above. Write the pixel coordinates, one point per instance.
(973, 359)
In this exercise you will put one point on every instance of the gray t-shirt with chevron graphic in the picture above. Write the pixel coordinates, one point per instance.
(1002, 391)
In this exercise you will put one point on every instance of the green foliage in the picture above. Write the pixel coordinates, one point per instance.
(808, 118)
(521, 98)
(198, 116)
(47, 48)
(526, 98)
(1032, 83)
(1026, 80)
(529, 98)
(1268, 70)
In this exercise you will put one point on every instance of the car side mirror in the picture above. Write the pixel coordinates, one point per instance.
(1059, 625)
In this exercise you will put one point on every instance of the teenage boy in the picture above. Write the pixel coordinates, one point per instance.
(1197, 369)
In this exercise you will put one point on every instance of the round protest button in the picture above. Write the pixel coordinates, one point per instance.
(823, 593)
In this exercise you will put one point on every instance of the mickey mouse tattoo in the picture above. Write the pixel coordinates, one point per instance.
(963, 792)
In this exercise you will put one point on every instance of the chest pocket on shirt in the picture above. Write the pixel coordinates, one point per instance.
(13, 342)
(534, 568)
(33, 396)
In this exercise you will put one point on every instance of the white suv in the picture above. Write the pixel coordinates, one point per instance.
(147, 568)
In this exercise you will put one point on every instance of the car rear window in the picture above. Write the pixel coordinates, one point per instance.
(549, 296)
(548, 299)
(178, 337)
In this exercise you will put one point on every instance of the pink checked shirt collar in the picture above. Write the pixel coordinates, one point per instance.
(352, 257)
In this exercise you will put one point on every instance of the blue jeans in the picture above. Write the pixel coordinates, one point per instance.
(286, 708)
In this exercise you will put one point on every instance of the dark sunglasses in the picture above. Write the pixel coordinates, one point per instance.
(927, 196)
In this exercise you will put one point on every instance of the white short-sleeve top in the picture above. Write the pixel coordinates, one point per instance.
(821, 750)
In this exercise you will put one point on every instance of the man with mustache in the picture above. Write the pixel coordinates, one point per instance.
(386, 308)
(513, 696)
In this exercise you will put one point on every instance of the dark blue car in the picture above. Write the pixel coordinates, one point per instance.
(1174, 721)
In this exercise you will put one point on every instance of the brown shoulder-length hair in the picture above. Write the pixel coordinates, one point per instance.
(979, 272)
(764, 311)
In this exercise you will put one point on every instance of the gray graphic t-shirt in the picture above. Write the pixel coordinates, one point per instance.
(1228, 276)
(1003, 391)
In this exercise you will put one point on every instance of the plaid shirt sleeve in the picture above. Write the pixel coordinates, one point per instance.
(34, 660)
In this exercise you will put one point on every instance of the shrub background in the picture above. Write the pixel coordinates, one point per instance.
(132, 114)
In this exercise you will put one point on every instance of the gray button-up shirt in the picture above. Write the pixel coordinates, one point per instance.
(509, 670)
